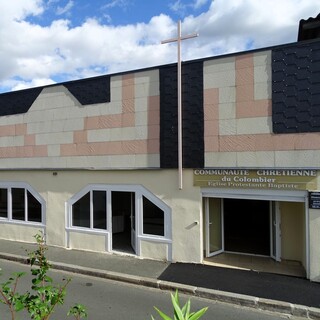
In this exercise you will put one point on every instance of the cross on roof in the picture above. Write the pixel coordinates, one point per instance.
(178, 39)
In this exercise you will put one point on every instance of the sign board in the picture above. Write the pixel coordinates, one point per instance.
(280, 179)
(314, 200)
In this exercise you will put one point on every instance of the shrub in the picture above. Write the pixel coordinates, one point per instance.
(41, 301)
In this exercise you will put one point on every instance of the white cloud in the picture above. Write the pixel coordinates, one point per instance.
(20, 85)
(181, 7)
(115, 3)
(37, 54)
(19, 10)
(199, 3)
(52, 1)
(177, 6)
(230, 25)
(65, 9)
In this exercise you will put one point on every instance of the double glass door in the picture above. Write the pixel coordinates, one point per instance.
(214, 233)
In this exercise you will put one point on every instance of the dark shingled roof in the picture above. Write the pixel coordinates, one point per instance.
(309, 29)
(86, 91)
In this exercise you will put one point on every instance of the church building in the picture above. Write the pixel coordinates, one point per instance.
(94, 162)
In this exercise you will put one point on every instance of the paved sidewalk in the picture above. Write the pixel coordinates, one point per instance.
(288, 295)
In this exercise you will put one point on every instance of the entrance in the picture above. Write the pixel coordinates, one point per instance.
(123, 221)
(247, 226)
(242, 226)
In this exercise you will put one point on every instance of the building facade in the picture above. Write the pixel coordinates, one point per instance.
(93, 163)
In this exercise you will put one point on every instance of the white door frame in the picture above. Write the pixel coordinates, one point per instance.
(133, 223)
(133, 232)
(275, 230)
(207, 226)
(271, 195)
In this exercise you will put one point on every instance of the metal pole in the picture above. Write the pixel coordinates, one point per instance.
(180, 156)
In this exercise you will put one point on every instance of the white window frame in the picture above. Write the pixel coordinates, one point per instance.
(139, 191)
(22, 185)
(166, 217)
(81, 194)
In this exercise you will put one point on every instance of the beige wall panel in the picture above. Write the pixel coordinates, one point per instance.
(314, 244)
(154, 250)
(292, 231)
(185, 204)
(268, 158)
(84, 241)
(220, 159)
(218, 65)
(12, 119)
(221, 79)
(264, 159)
(146, 89)
(262, 58)
(254, 125)
(19, 232)
(297, 159)
(227, 111)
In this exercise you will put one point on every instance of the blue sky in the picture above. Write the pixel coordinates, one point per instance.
(117, 11)
(49, 41)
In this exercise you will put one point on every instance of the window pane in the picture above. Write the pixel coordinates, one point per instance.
(3, 203)
(153, 218)
(81, 212)
(99, 209)
(34, 208)
(18, 207)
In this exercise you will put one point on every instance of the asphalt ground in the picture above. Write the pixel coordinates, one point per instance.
(258, 284)
(288, 295)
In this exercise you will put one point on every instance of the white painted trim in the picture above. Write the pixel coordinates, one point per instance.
(26, 216)
(271, 203)
(155, 239)
(207, 217)
(24, 223)
(269, 195)
(206, 210)
(278, 231)
(222, 224)
(9, 204)
(23, 185)
(139, 192)
(307, 222)
(87, 230)
(109, 221)
(139, 228)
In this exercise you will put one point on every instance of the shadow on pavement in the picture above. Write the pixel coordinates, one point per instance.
(258, 284)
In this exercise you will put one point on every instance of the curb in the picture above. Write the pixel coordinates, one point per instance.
(221, 296)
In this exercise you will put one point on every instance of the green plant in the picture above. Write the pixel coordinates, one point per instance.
(78, 311)
(9, 294)
(183, 313)
(44, 296)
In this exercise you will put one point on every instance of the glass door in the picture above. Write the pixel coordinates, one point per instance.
(213, 224)
(275, 231)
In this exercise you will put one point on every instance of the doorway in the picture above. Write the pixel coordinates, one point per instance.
(123, 221)
(243, 226)
(247, 226)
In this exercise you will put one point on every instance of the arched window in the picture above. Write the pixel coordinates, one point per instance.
(90, 211)
(20, 202)
(100, 207)
(153, 218)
